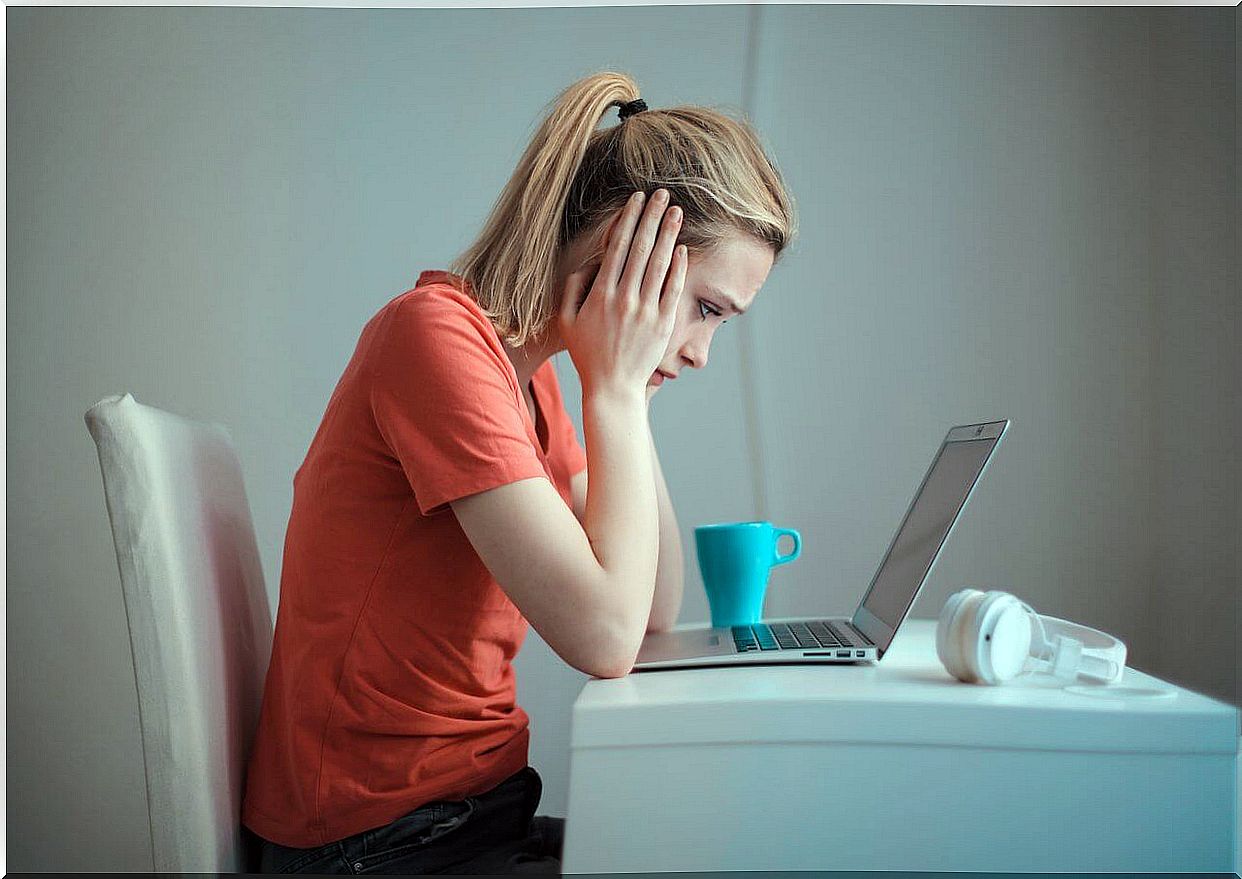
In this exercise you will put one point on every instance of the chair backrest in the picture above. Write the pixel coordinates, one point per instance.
(200, 626)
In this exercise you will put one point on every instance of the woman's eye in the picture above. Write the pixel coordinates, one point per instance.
(705, 310)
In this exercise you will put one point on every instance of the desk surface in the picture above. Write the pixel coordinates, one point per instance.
(743, 767)
(907, 698)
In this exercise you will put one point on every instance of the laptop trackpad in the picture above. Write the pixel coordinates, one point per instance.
(661, 646)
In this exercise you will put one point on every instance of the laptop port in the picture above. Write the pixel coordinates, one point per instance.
(844, 653)
(859, 653)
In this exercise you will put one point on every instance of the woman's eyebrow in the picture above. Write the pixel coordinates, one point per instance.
(719, 294)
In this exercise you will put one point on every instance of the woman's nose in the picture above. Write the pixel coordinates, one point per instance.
(694, 352)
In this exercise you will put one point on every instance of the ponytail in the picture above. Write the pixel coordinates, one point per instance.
(512, 266)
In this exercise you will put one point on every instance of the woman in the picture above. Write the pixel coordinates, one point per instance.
(444, 503)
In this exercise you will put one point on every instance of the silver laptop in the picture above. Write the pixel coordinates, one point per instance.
(947, 485)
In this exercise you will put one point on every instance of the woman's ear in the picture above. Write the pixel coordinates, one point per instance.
(601, 237)
(590, 249)
(593, 270)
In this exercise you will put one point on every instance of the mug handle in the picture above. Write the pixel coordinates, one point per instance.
(797, 550)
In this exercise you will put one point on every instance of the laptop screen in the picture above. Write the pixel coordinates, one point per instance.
(926, 525)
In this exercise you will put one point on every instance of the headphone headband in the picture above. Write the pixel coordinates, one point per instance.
(1086, 651)
(994, 636)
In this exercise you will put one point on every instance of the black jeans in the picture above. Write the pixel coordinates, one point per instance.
(493, 832)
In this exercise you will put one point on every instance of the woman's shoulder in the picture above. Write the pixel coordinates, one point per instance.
(436, 320)
(439, 300)
(441, 278)
(437, 290)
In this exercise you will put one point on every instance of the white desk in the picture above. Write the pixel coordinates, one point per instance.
(895, 765)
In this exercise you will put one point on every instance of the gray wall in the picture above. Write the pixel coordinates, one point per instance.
(1023, 213)
(1197, 380)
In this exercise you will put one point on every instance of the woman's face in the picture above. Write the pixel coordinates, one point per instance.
(720, 285)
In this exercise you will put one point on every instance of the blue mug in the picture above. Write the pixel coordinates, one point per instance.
(735, 559)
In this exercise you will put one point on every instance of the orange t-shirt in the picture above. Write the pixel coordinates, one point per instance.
(391, 683)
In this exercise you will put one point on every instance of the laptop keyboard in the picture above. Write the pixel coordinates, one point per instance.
(796, 636)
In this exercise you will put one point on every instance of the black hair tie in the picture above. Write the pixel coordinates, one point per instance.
(628, 110)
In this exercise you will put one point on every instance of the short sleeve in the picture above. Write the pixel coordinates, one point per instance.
(445, 403)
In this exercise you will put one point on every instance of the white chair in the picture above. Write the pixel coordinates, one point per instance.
(200, 626)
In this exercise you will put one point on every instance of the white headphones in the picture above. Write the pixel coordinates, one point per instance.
(992, 637)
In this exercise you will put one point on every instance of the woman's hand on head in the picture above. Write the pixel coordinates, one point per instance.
(617, 337)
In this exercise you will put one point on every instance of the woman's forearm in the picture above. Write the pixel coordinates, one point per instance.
(620, 515)
(666, 603)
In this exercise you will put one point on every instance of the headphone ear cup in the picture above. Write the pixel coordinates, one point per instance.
(1009, 641)
(968, 637)
(948, 639)
(993, 639)
(943, 625)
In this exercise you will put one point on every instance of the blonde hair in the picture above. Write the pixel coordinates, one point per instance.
(572, 178)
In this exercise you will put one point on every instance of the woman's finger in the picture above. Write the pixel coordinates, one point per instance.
(661, 257)
(619, 244)
(674, 283)
(630, 285)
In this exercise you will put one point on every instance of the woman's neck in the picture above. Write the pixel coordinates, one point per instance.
(532, 355)
(528, 358)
